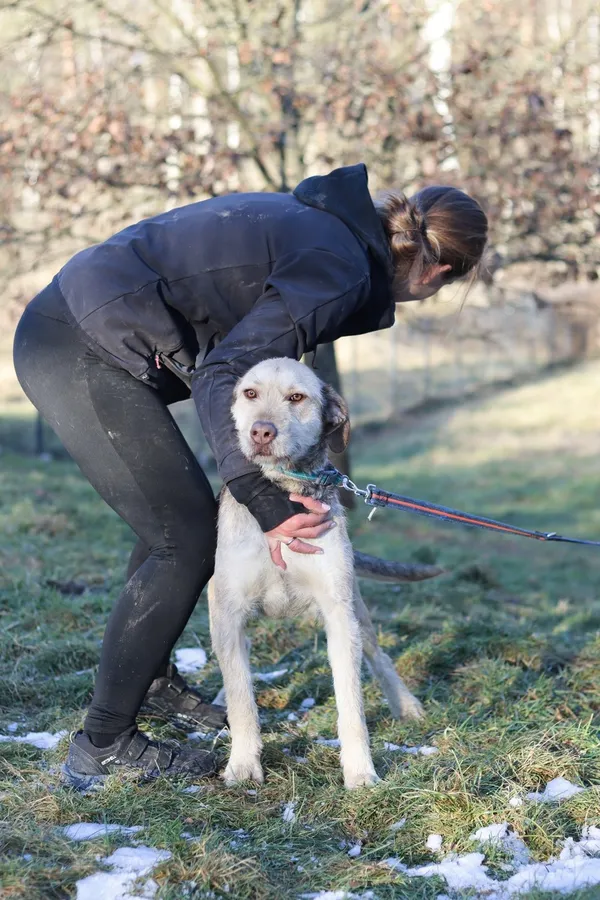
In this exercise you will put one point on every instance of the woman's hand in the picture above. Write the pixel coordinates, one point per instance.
(312, 524)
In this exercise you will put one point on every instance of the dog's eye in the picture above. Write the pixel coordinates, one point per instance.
(296, 398)
(250, 393)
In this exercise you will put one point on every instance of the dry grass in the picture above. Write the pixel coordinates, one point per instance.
(504, 651)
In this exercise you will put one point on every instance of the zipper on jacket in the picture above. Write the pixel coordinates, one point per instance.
(184, 373)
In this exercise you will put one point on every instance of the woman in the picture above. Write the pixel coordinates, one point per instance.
(185, 302)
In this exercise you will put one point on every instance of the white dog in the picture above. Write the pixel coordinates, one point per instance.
(285, 419)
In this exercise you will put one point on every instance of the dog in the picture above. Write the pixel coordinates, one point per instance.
(287, 419)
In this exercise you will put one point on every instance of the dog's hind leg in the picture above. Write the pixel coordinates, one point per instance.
(345, 655)
(402, 704)
(227, 621)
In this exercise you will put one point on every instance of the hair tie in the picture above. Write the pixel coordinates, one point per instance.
(411, 231)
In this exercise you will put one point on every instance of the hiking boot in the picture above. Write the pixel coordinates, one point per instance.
(171, 698)
(88, 765)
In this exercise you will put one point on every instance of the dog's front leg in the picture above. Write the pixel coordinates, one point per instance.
(229, 643)
(345, 655)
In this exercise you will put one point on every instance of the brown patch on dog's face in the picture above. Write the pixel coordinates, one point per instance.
(336, 420)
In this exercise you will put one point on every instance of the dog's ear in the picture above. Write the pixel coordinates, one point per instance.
(336, 420)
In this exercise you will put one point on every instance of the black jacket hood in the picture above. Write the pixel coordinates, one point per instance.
(345, 193)
(208, 290)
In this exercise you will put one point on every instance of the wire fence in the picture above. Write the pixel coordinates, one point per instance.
(429, 356)
(438, 352)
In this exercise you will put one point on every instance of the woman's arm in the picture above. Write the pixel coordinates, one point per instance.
(306, 299)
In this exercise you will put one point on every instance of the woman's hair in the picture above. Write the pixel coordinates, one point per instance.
(439, 225)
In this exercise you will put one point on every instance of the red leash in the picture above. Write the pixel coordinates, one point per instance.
(376, 497)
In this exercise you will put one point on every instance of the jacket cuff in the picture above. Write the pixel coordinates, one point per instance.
(269, 505)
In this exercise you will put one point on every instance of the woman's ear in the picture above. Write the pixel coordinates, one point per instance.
(336, 420)
(433, 272)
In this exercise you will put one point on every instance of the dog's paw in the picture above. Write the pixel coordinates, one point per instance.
(354, 780)
(410, 708)
(402, 705)
(243, 770)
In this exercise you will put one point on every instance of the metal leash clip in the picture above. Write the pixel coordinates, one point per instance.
(349, 485)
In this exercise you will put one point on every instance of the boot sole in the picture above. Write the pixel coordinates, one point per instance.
(179, 720)
(80, 782)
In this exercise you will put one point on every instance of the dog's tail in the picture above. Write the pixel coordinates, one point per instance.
(377, 569)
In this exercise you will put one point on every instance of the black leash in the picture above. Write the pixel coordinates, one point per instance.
(376, 497)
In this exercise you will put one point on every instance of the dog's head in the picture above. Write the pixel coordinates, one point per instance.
(285, 415)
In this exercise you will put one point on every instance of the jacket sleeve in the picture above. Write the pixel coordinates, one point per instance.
(305, 301)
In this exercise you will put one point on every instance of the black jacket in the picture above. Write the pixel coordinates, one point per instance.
(217, 286)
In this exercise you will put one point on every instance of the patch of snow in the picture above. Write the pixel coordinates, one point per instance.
(328, 742)
(192, 789)
(414, 751)
(515, 802)
(338, 895)
(491, 834)
(289, 812)
(270, 676)
(12, 727)
(292, 717)
(355, 850)
(573, 870)
(460, 872)
(105, 886)
(555, 790)
(190, 659)
(140, 860)
(43, 740)
(396, 826)
(300, 759)
(501, 833)
(562, 876)
(87, 831)
(128, 863)
(422, 751)
(241, 835)
(201, 736)
(589, 845)
(434, 842)
(308, 703)
(251, 792)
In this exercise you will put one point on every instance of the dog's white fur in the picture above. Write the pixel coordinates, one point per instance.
(247, 581)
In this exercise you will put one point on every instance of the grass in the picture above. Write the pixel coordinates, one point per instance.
(504, 650)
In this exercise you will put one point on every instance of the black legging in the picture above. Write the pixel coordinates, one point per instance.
(123, 438)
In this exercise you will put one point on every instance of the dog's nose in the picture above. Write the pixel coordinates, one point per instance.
(263, 433)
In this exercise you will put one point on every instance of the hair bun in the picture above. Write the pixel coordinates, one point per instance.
(401, 216)
(439, 225)
(405, 226)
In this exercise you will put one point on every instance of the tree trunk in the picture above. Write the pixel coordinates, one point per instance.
(323, 361)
